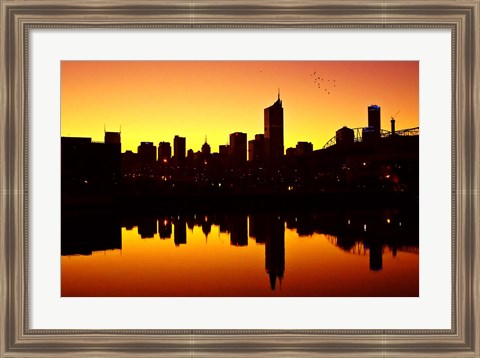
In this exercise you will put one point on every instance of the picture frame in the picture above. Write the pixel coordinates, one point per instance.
(19, 17)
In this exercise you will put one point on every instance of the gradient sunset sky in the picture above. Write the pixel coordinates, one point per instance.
(152, 101)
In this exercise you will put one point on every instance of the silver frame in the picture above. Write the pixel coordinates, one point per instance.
(17, 17)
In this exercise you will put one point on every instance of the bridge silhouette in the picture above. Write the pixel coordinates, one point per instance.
(409, 132)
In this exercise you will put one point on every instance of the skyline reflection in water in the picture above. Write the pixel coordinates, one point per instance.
(314, 254)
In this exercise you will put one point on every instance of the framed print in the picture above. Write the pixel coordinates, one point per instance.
(239, 178)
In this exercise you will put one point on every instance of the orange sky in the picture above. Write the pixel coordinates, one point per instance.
(155, 100)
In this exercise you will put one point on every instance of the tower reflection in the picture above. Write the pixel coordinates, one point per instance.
(354, 232)
(180, 230)
(274, 249)
(238, 230)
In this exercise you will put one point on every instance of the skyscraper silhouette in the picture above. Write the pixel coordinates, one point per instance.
(238, 147)
(179, 149)
(374, 120)
(206, 150)
(164, 152)
(273, 119)
(112, 137)
(147, 153)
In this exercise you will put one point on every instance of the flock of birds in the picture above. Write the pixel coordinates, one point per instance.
(323, 83)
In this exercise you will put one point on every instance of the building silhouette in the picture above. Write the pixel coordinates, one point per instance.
(238, 148)
(164, 152)
(344, 136)
(179, 151)
(147, 153)
(373, 130)
(256, 148)
(273, 120)
(291, 152)
(190, 159)
(304, 148)
(130, 163)
(88, 165)
(206, 150)
(112, 138)
(223, 153)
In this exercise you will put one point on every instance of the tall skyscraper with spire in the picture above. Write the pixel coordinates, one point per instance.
(273, 120)
(206, 150)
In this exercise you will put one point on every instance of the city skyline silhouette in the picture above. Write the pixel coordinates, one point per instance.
(361, 159)
(152, 101)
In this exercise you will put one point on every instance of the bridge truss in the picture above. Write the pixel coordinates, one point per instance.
(383, 134)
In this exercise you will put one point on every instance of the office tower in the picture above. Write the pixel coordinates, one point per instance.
(147, 153)
(374, 120)
(238, 147)
(112, 152)
(273, 120)
(76, 162)
(164, 152)
(179, 150)
(256, 148)
(206, 148)
(112, 137)
(88, 165)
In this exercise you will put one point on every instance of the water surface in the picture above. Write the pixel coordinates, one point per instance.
(348, 253)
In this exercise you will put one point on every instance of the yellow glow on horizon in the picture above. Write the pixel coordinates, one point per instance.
(153, 101)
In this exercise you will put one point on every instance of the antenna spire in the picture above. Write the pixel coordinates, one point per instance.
(279, 93)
